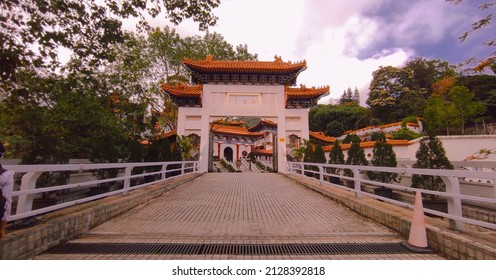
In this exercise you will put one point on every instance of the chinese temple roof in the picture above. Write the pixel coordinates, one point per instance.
(262, 123)
(304, 93)
(234, 130)
(303, 97)
(369, 144)
(184, 95)
(322, 137)
(183, 90)
(211, 71)
(263, 152)
(296, 98)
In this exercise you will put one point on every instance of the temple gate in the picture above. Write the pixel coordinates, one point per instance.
(244, 88)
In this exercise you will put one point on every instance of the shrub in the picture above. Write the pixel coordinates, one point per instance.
(430, 155)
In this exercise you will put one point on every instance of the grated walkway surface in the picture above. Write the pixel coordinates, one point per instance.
(237, 208)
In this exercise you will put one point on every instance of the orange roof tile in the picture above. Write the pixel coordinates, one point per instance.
(321, 136)
(233, 130)
(304, 92)
(263, 122)
(233, 65)
(397, 123)
(183, 90)
(263, 152)
(369, 144)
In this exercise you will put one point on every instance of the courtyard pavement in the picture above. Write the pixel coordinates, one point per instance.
(241, 208)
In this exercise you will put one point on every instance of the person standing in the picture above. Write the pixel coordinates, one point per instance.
(6, 187)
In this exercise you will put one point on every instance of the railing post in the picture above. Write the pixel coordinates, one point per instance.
(321, 173)
(164, 171)
(356, 179)
(28, 182)
(454, 203)
(127, 181)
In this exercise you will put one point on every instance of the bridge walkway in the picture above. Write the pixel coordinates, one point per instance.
(257, 216)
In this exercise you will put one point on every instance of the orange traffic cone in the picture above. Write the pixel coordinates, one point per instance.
(417, 240)
(3, 225)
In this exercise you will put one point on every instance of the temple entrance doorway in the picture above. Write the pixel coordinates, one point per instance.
(228, 154)
(246, 143)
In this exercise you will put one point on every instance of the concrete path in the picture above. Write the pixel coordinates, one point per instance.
(241, 208)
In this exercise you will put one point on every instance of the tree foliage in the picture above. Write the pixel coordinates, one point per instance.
(355, 156)
(430, 155)
(399, 92)
(383, 155)
(101, 111)
(335, 119)
(456, 107)
(336, 156)
(33, 31)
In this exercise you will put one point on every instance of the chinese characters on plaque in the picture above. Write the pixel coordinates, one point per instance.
(243, 99)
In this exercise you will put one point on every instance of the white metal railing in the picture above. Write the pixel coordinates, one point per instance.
(450, 177)
(24, 194)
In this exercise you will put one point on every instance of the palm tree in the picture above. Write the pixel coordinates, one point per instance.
(299, 152)
(186, 147)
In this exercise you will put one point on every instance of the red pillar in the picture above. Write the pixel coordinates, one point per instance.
(218, 149)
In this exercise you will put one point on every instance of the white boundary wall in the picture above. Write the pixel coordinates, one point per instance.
(458, 148)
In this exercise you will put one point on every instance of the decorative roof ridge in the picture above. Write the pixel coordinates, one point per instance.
(183, 89)
(320, 135)
(305, 88)
(262, 122)
(182, 86)
(304, 92)
(370, 144)
(232, 129)
(210, 60)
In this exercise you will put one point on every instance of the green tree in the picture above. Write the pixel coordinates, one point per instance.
(383, 155)
(87, 28)
(356, 156)
(299, 152)
(466, 107)
(336, 156)
(430, 155)
(405, 134)
(388, 87)
(399, 92)
(145, 62)
(439, 113)
(350, 138)
(455, 108)
(356, 96)
(187, 147)
(335, 119)
(347, 97)
(483, 87)
(319, 156)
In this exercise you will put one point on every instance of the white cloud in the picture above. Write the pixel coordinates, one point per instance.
(342, 41)
(424, 22)
(329, 65)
